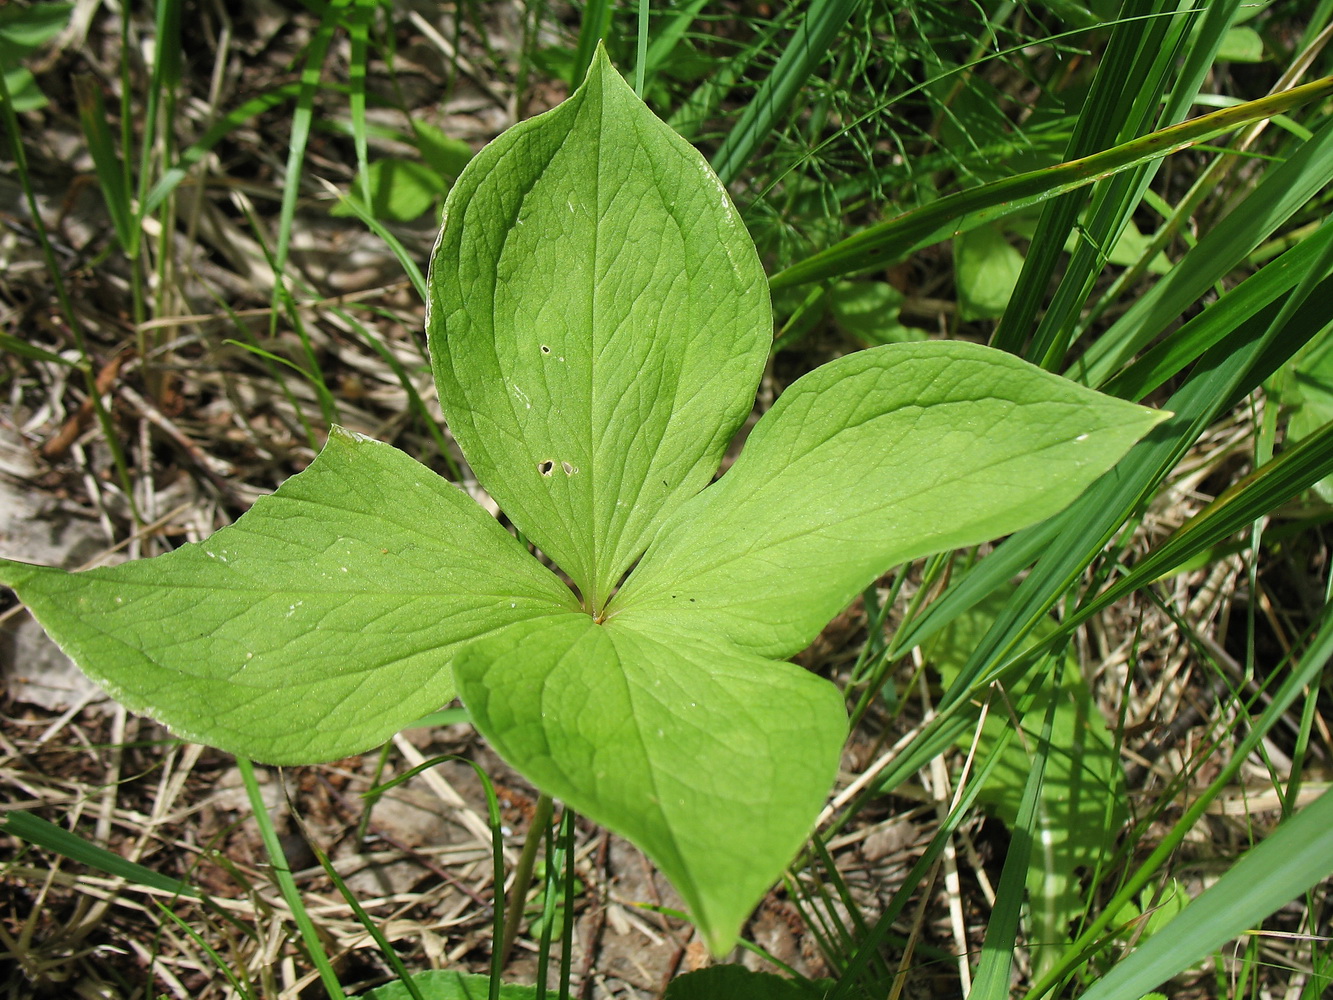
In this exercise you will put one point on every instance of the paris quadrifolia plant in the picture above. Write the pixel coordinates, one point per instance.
(598, 322)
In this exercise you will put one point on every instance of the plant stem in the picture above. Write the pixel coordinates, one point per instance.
(518, 892)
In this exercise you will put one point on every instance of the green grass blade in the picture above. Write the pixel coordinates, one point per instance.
(242, 989)
(595, 27)
(361, 209)
(36, 830)
(670, 35)
(1295, 857)
(640, 58)
(106, 160)
(282, 874)
(1306, 672)
(704, 102)
(1206, 185)
(1252, 300)
(1123, 77)
(13, 345)
(1282, 191)
(997, 950)
(386, 950)
(358, 30)
(163, 84)
(302, 117)
(218, 131)
(889, 241)
(1116, 200)
(809, 47)
(568, 826)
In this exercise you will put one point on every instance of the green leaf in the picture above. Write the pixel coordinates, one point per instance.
(872, 460)
(868, 311)
(14, 345)
(400, 190)
(713, 761)
(1308, 387)
(35, 830)
(317, 625)
(24, 93)
(986, 268)
(1242, 45)
(446, 155)
(736, 982)
(1160, 908)
(440, 984)
(599, 322)
(23, 30)
(404, 190)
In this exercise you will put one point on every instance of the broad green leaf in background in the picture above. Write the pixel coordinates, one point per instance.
(736, 982)
(710, 759)
(599, 321)
(1153, 911)
(400, 190)
(1242, 45)
(314, 627)
(403, 190)
(23, 30)
(442, 984)
(1307, 387)
(868, 311)
(874, 459)
(986, 268)
(443, 152)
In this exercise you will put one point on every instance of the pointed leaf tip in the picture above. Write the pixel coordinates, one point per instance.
(317, 625)
(715, 762)
(599, 321)
(876, 458)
